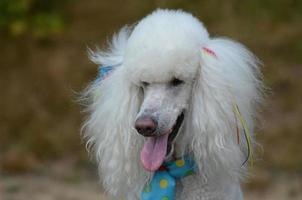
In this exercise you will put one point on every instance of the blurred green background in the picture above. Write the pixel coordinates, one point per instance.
(43, 64)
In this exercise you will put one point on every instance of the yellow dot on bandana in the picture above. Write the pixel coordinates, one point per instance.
(165, 198)
(180, 163)
(163, 183)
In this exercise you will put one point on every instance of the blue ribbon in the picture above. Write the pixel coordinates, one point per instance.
(104, 72)
(162, 186)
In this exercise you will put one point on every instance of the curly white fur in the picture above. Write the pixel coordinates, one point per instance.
(209, 132)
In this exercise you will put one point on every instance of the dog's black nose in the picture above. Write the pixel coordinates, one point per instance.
(146, 126)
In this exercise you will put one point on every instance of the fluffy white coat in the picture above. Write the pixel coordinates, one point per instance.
(164, 44)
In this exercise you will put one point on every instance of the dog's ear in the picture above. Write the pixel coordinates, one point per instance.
(229, 76)
(113, 103)
(114, 54)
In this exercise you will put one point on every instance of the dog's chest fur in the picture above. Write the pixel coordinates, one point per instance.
(194, 188)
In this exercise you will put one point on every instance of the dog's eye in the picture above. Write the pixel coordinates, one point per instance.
(176, 82)
(145, 84)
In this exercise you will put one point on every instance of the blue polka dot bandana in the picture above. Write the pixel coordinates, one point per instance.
(162, 186)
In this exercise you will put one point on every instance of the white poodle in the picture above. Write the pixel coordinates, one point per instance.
(173, 92)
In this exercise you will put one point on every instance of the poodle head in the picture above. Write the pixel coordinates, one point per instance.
(172, 92)
(162, 58)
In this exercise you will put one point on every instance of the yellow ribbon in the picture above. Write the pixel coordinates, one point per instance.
(246, 133)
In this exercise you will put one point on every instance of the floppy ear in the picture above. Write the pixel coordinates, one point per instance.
(113, 105)
(229, 76)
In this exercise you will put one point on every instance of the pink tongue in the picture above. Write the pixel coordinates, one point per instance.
(154, 152)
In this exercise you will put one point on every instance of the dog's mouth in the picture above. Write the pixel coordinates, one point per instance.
(175, 131)
(156, 148)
